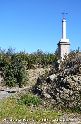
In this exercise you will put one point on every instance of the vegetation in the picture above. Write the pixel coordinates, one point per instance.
(29, 99)
(14, 65)
(10, 108)
(28, 106)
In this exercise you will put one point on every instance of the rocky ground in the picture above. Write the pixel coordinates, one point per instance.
(33, 74)
(63, 87)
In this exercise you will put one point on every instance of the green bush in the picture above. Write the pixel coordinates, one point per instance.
(14, 66)
(29, 99)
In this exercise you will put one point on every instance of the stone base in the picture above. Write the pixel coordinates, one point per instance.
(63, 48)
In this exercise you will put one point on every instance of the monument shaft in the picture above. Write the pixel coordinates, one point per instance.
(63, 29)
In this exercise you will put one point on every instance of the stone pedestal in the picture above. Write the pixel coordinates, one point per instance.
(63, 48)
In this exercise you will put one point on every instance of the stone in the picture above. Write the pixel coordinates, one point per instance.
(52, 77)
(46, 95)
(80, 70)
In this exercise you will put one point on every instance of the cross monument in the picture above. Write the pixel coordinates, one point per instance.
(64, 44)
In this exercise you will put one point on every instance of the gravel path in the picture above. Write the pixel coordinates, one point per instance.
(70, 119)
(4, 94)
(7, 92)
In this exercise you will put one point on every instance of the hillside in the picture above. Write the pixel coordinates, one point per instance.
(62, 88)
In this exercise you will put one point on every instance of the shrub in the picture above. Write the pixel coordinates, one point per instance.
(13, 68)
(14, 65)
(29, 99)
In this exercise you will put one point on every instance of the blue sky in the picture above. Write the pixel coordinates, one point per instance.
(36, 24)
